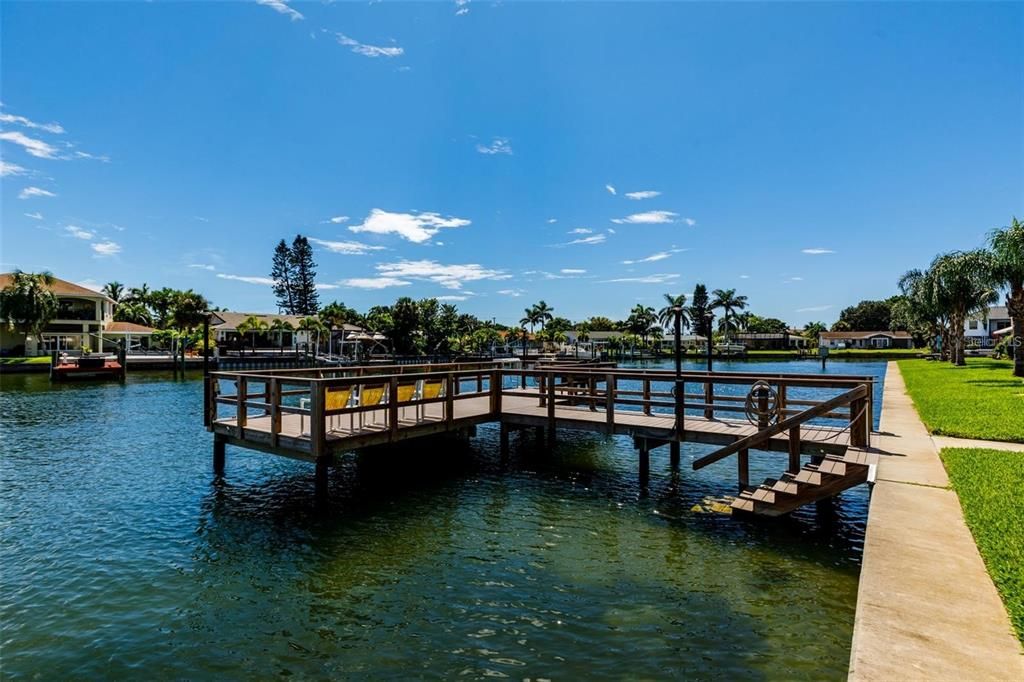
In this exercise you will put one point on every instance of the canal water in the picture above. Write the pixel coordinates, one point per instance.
(123, 557)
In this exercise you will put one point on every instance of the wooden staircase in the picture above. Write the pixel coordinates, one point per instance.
(813, 482)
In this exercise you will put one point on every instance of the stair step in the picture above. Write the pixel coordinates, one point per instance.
(787, 485)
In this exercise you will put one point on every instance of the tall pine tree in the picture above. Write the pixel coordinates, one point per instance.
(305, 298)
(283, 274)
(699, 306)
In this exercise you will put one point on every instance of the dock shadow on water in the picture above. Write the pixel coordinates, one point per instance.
(124, 554)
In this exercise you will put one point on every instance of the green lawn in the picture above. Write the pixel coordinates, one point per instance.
(989, 483)
(43, 360)
(982, 400)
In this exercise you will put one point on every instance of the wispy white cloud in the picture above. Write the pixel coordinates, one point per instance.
(500, 145)
(551, 221)
(55, 128)
(281, 6)
(611, 190)
(451, 298)
(79, 233)
(34, 216)
(592, 239)
(7, 168)
(648, 218)
(367, 50)
(647, 279)
(346, 247)
(202, 266)
(201, 218)
(323, 286)
(661, 255)
(35, 192)
(572, 271)
(86, 155)
(338, 219)
(35, 147)
(813, 309)
(265, 281)
(105, 249)
(447, 276)
(514, 293)
(816, 251)
(744, 276)
(581, 230)
(690, 221)
(416, 227)
(375, 282)
(461, 8)
(645, 194)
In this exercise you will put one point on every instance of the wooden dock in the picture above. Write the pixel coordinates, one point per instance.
(317, 414)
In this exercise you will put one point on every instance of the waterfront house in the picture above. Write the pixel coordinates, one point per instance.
(787, 340)
(980, 329)
(879, 339)
(224, 325)
(85, 320)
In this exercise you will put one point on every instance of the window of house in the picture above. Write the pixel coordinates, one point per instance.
(974, 324)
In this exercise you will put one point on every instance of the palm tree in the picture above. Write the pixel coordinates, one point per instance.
(133, 311)
(113, 290)
(28, 304)
(812, 332)
(138, 295)
(729, 302)
(641, 319)
(252, 325)
(311, 325)
(543, 313)
(965, 284)
(530, 318)
(920, 288)
(280, 326)
(667, 315)
(1008, 268)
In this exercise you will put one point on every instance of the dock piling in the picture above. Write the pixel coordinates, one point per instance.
(218, 455)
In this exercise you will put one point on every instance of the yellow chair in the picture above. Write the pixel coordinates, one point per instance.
(405, 392)
(337, 399)
(430, 390)
(370, 395)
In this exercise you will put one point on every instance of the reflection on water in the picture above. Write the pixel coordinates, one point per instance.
(123, 555)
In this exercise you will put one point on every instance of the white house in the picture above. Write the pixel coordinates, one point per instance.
(980, 329)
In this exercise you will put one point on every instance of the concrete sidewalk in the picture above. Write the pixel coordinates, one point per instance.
(942, 442)
(926, 607)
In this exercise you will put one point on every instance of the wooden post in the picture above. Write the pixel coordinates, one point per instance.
(762, 408)
(858, 423)
(479, 383)
(673, 449)
(218, 454)
(609, 403)
(645, 461)
(504, 441)
(592, 384)
(275, 410)
(743, 469)
(551, 410)
(496, 393)
(679, 389)
(647, 396)
(794, 450)
(241, 413)
(449, 401)
(542, 389)
(322, 469)
(782, 400)
(393, 409)
(266, 396)
(709, 398)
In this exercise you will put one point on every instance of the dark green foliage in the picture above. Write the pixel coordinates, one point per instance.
(283, 273)
(866, 316)
(305, 298)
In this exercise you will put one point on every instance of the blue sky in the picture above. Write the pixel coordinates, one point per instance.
(592, 155)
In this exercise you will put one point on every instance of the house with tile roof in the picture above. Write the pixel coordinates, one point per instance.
(85, 319)
(879, 339)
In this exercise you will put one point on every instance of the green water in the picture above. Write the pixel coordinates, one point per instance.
(123, 557)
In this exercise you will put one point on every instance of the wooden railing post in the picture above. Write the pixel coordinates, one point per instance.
(859, 422)
(241, 413)
(762, 407)
(496, 386)
(782, 400)
(680, 401)
(449, 400)
(480, 383)
(592, 385)
(393, 409)
(794, 450)
(317, 424)
(275, 410)
(609, 402)
(542, 388)
(551, 407)
(647, 396)
(709, 398)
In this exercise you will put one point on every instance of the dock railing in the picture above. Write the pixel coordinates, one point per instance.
(323, 396)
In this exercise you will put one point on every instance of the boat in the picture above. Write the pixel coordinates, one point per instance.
(92, 366)
(729, 349)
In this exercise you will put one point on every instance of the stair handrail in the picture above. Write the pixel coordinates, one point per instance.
(755, 439)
